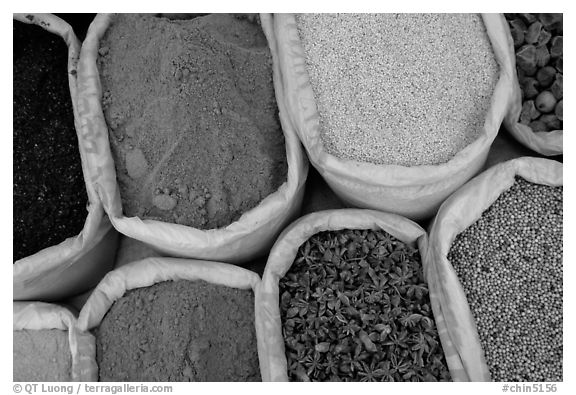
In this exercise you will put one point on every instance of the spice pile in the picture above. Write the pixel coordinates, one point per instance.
(41, 355)
(404, 89)
(509, 263)
(538, 42)
(192, 114)
(355, 307)
(49, 191)
(179, 331)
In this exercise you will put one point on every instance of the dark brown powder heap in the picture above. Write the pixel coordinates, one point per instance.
(193, 118)
(179, 331)
(49, 191)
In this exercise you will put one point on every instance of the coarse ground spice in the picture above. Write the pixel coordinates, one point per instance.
(193, 117)
(509, 263)
(49, 191)
(179, 331)
(404, 89)
(41, 355)
(354, 306)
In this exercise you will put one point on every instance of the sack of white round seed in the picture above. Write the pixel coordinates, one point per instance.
(396, 111)
(536, 113)
(495, 250)
(168, 319)
(344, 297)
(47, 345)
(63, 241)
(200, 162)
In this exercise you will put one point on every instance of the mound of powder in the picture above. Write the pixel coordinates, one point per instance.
(41, 355)
(192, 114)
(179, 331)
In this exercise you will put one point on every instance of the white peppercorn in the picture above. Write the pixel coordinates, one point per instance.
(509, 263)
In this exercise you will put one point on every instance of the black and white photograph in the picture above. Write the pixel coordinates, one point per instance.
(288, 197)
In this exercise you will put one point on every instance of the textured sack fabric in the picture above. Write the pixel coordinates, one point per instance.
(150, 271)
(131, 250)
(79, 262)
(456, 324)
(44, 316)
(249, 237)
(273, 364)
(415, 192)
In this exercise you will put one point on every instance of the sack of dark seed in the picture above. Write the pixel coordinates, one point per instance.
(195, 158)
(495, 249)
(168, 319)
(396, 111)
(536, 114)
(63, 241)
(47, 346)
(344, 297)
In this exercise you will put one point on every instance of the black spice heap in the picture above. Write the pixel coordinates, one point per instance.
(49, 191)
(510, 265)
(355, 307)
